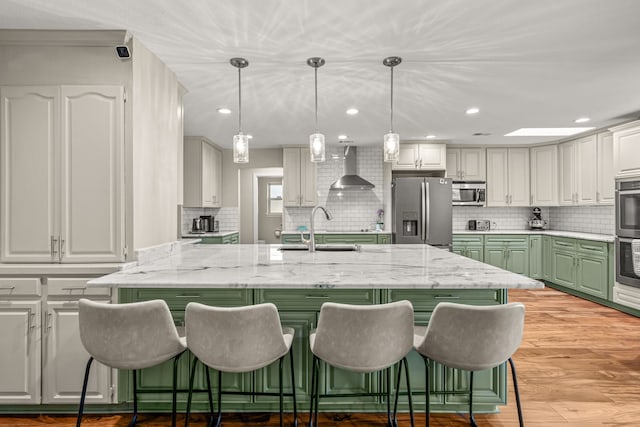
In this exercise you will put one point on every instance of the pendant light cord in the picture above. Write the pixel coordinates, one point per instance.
(240, 102)
(316, 92)
(391, 130)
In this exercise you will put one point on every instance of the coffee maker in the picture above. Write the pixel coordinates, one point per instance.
(207, 223)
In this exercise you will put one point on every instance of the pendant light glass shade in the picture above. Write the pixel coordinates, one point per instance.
(240, 141)
(240, 148)
(391, 147)
(316, 140)
(391, 140)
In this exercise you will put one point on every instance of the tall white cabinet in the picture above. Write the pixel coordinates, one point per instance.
(508, 177)
(62, 179)
(299, 178)
(544, 175)
(202, 173)
(626, 150)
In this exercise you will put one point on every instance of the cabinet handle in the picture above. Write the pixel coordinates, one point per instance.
(76, 288)
(531, 200)
(591, 248)
(7, 288)
(48, 320)
(446, 297)
(54, 245)
(316, 296)
(506, 199)
(61, 250)
(597, 196)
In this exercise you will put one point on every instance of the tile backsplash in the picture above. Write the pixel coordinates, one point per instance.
(501, 218)
(585, 219)
(352, 210)
(228, 218)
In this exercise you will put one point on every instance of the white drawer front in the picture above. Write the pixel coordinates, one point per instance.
(74, 287)
(20, 287)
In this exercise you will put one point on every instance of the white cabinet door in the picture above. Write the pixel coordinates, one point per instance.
(307, 179)
(586, 174)
(216, 178)
(605, 194)
(207, 174)
(497, 177)
(65, 359)
(91, 199)
(20, 352)
(626, 150)
(544, 175)
(28, 172)
(567, 172)
(432, 156)
(299, 178)
(408, 157)
(518, 163)
(453, 163)
(472, 164)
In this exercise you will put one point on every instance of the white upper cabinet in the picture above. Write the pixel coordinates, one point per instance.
(202, 173)
(466, 164)
(544, 175)
(585, 171)
(605, 186)
(62, 174)
(508, 177)
(626, 150)
(299, 178)
(421, 156)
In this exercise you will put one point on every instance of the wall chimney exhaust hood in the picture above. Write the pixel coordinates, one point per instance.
(350, 180)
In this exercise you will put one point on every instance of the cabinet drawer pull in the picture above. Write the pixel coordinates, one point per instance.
(446, 297)
(188, 296)
(592, 248)
(76, 288)
(317, 296)
(7, 288)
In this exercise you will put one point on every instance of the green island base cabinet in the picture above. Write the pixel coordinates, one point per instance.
(226, 239)
(584, 268)
(299, 309)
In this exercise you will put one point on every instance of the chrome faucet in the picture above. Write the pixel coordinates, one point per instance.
(312, 233)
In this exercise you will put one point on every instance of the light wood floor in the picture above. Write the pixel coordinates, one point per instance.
(579, 365)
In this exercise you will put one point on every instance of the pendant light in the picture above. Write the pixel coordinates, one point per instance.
(316, 140)
(391, 140)
(240, 141)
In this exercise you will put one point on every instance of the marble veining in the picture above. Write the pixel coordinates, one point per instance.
(266, 266)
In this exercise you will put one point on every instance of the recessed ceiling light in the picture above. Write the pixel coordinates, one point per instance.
(472, 110)
(352, 111)
(548, 131)
(431, 137)
(342, 137)
(582, 120)
(224, 111)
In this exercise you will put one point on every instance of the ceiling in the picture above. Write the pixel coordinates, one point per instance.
(537, 63)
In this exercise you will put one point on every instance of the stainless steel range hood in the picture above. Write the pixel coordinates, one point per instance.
(351, 180)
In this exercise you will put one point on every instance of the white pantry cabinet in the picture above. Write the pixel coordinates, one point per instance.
(61, 196)
(605, 185)
(299, 178)
(544, 175)
(202, 173)
(578, 171)
(508, 177)
(626, 150)
(421, 156)
(468, 164)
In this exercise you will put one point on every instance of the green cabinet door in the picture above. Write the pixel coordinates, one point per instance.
(535, 257)
(518, 260)
(384, 239)
(592, 275)
(563, 268)
(496, 256)
(510, 252)
(546, 258)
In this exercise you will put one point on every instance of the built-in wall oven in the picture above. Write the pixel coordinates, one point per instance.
(627, 229)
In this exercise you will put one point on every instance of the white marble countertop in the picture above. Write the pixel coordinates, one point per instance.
(266, 266)
(212, 234)
(59, 269)
(558, 233)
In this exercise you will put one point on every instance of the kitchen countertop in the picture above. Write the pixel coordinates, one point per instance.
(558, 233)
(60, 269)
(212, 234)
(266, 266)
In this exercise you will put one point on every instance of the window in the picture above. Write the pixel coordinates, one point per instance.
(274, 194)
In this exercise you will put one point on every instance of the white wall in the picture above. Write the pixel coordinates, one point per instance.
(157, 143)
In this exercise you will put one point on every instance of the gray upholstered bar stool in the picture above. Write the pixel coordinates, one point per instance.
(129, 336)
(362, 338)
(472, 338)
(238, 339)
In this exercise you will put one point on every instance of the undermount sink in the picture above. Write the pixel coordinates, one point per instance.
(321, 248)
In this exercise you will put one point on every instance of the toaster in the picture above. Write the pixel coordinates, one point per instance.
(483, 224)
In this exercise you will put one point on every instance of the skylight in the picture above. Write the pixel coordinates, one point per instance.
(548, 131)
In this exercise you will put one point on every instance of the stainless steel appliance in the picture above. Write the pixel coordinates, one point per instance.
(196, 226)
(625, 273)
(471, 224)
(207, 223)
(537, 223)
(468, 193)
(628, 209)
(483, 224)
(422, 210)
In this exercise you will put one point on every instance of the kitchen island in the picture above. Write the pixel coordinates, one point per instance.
(298, 282)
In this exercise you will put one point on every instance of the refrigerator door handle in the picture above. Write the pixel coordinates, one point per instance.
(423, 210)
(427, 222)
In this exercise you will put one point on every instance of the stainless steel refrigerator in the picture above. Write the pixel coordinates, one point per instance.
(422, 210)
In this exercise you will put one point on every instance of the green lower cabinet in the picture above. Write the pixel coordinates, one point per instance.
(345, 238)
(510, 252)
(288, 238)
(592, 276)
(384, 239)
(535, 257)
(470, 246)
(563, 270)
(546, 257)
(229, 239)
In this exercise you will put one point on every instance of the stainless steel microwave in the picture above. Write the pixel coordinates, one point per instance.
(469, 193)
